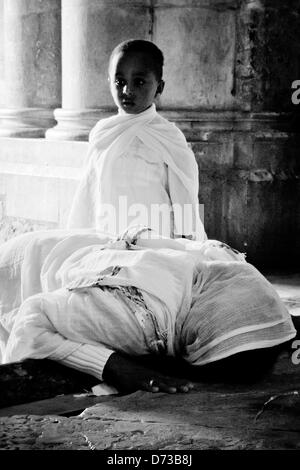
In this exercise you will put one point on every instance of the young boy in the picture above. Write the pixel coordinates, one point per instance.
(140, 169)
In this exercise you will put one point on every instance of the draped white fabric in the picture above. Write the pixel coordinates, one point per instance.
(148, 145)
(207, 299)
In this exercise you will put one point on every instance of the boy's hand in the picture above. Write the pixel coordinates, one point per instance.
(128, 374)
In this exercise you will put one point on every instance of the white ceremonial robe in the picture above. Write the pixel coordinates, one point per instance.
(139, 171)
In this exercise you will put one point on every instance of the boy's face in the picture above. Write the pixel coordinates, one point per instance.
(133, 83)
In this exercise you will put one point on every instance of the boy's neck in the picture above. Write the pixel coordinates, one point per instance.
(122, 112)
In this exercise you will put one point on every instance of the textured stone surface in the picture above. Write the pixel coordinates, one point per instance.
(204, 55)
(250, 187)
(274, 37)
(32, 53)
(2, 77)
(33, 380)
(32, 66)
(207, 418)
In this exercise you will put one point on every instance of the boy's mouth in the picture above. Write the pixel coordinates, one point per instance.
(127, 102)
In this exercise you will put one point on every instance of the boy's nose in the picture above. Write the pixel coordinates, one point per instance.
(127, 89)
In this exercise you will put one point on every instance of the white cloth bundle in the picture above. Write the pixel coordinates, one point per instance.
(148, 144)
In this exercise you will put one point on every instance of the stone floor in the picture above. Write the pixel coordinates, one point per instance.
(288, 288)
(265, 415)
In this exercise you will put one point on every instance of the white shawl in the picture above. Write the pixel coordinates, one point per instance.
(111, 138)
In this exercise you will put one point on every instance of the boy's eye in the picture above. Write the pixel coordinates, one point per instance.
(119, 82)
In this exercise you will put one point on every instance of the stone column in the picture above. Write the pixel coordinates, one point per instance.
(90, 30)
(32, 74)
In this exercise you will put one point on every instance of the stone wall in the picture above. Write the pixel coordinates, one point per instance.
(229, 66)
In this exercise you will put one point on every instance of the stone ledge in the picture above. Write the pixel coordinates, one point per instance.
(38, 179)
(75, 125)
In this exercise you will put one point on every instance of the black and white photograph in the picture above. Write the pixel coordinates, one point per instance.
(149, 229)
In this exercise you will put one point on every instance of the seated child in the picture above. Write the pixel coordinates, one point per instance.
(105, 305)
(139, 167)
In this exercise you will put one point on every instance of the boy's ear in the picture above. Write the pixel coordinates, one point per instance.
(160, 87)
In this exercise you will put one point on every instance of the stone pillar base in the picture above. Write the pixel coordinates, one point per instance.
(76, 124)
(25, 122)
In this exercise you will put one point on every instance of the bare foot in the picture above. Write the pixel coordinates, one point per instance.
(128, 374)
